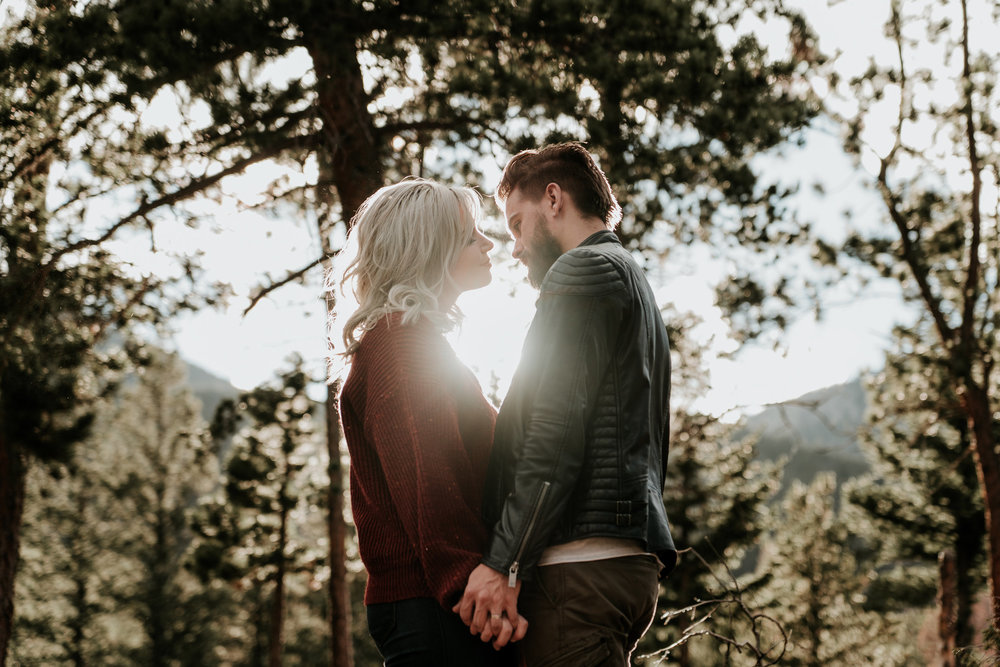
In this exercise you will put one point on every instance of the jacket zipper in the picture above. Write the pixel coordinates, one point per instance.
(516, 565)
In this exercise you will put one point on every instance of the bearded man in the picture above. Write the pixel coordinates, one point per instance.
(574, 490)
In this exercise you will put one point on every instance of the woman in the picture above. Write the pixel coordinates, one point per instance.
(418, 427)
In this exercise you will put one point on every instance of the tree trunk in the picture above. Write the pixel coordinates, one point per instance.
(947, 606)
(349, 160)
(977, 406)
(12, 471)
(77, 623)
(814, 624)
(276, 632)
(340, 596)
(80, 620)
(967, 543)
(157, 602)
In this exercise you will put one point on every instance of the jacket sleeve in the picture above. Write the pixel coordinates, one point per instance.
(413, 425)
(568, 350)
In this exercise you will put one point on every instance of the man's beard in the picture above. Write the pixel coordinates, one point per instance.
(543, 251)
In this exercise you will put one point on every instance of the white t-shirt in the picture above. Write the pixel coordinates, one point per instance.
(590, 548)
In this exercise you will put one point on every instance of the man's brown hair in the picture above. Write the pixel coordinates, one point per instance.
(570, 166)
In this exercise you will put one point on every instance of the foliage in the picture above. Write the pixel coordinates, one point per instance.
(675, 97)
(161, 462)
(922, 121)
(67, 144)
(816, 587)
(715, 496)
(251, 533)
(106, 533)
(68, 592)
(923, 495)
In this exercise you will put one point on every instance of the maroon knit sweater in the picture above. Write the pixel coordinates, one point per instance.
(419, 431)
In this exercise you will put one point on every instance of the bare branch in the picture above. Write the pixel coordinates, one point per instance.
(912, 258)
(732, 599)
(192, 188)
(971, 290)
(291, 277)
(897, 26)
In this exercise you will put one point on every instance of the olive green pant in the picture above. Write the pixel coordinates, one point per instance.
(588, 614)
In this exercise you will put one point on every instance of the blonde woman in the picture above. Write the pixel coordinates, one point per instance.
(418, 427)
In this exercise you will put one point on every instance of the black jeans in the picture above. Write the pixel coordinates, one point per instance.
(419, 633)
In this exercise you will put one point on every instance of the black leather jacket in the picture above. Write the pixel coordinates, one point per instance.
(581, 439)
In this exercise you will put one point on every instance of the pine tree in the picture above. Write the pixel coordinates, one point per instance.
(71, 578)
(715, 495)
(817, 584)
(922, 498)
(106, 535)
(69, 141)
(160, 462)
(249, 536)
(931, 163)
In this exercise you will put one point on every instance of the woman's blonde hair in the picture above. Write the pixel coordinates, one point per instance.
(404, 239)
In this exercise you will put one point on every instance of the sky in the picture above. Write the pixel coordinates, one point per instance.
(249, 350)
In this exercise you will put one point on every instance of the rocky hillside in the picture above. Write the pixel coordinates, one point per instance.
(209, 389)
(816, 432)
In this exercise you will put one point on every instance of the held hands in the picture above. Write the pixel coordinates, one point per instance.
(509, 632)
(488, 607)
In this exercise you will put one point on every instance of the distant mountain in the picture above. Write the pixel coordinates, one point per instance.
(209, 389)
(818, 432)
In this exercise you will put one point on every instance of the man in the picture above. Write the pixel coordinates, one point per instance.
(575, 486)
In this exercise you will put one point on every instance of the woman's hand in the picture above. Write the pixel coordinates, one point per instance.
(509, 632)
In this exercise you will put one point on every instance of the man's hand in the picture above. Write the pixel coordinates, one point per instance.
(486, 599)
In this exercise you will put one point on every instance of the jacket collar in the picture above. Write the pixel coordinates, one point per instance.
(603, 236)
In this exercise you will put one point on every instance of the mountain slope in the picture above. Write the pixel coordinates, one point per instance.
(209, 389)
(817, 432)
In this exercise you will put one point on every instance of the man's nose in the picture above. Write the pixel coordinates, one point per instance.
(518, 250)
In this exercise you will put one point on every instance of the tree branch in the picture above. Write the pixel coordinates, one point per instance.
(292, 276)
(898, 36)
(186, 192)
(912, 259)
(734, 599)
(971, 289)
(420, 125)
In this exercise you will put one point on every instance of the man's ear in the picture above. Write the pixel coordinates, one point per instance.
(553, 199)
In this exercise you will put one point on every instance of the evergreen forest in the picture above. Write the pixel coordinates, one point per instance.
(153, 514)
